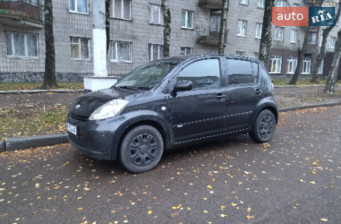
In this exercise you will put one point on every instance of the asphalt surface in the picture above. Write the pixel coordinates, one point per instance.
(296, 178)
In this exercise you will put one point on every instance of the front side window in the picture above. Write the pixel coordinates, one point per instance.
(186, 19)
(78, 6)
(155, 51)
(155, 14)
(203, 74)
(306, 65)
(185, 51)
(276, 64)
(279, 33)
(21, 44)
(259, 27)
(242, 28)
(291, 65)
(80, 48)
(121, 9)
(120, 51)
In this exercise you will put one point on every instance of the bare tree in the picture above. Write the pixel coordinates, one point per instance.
(167, 28)
(322, 52)
(107, 23)
(266, 39)
(333, 72)
(222, 34)
(50, 57)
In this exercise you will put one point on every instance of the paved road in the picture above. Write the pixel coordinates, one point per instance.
(294, 179)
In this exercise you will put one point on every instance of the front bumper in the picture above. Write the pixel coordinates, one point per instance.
(96, 139)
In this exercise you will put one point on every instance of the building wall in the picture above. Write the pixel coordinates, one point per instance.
(141, 33)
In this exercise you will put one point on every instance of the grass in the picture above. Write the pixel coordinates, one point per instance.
(34, 86)
(26, 121)
(301, 82)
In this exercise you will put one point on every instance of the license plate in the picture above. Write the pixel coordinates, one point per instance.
(71, 128)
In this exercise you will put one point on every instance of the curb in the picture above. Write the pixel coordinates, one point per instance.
(11, 144)
(8, 92)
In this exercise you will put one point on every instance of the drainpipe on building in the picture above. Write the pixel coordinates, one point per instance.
(100, 80)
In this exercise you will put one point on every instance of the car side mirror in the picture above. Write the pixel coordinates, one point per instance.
(183, 85)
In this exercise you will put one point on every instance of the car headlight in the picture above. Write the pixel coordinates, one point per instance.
(108, 110)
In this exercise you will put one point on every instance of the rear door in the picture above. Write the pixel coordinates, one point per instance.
(242, 92)
(198, 113)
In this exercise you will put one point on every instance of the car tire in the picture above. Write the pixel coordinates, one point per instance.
(141, 149)
(264, 127)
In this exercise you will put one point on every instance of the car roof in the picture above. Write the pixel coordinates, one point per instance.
(193, 57)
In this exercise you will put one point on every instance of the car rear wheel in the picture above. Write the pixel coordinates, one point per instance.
(141, 149)
(264, 127)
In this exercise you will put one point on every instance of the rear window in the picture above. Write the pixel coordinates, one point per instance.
(241, 72)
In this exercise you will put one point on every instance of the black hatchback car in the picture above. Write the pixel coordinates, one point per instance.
(171, 103)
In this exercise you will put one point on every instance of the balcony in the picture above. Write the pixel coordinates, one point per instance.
(211, 4)
(20, 13)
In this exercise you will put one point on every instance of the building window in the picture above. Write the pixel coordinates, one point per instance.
(155, 52)
(261, 4)
(312, 38)
(187, 19)
(121, 9)
(279, 33)
(120, 51)
(80, 48)
(185, 51)
(331, 42)
(155, 14)
(242, 28)
(259, 27)
(306, 65)
(282, 3)
(320, 70)
(291, 65)
(293, 36)
(276, 64)
(240, 53)
(255, 55)
(21, 44)
(244, 2)
(78, 6)
(32, 2)
(297, 5)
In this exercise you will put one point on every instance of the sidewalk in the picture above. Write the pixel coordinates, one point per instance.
(289, 98)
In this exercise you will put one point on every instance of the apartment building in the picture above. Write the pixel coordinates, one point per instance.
(136, 36)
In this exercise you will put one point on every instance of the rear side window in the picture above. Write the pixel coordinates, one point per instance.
(203, 74)
(241, 72)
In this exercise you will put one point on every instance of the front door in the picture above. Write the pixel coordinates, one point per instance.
(198, 113)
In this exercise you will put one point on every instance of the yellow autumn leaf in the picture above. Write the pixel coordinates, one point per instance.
(233, 204)
(86, 189)
(209, 187)
(249, 217)
(150, 212)
(248, 210)
(80, 209)
(324, 220)
(223, 215)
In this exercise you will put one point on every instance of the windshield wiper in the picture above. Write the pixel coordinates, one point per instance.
(128, 87)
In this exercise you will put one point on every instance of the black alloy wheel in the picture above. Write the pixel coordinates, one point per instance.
(264, 127)
(141, 149)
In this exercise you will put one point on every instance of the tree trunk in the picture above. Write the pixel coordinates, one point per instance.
(301, 53)
(50, 60)
(333, 72)
(222, 34)
(266, 39)
(107, 23)
(167, 28)
(322, 52)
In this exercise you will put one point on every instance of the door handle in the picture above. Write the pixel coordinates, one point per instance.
(258, 91)
(220, 96)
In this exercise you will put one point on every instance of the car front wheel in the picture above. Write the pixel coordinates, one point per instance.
(141, 149)
(264, 127)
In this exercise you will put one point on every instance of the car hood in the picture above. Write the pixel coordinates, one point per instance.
(86, 104)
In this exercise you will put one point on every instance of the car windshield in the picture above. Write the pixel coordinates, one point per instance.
(147, 76)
